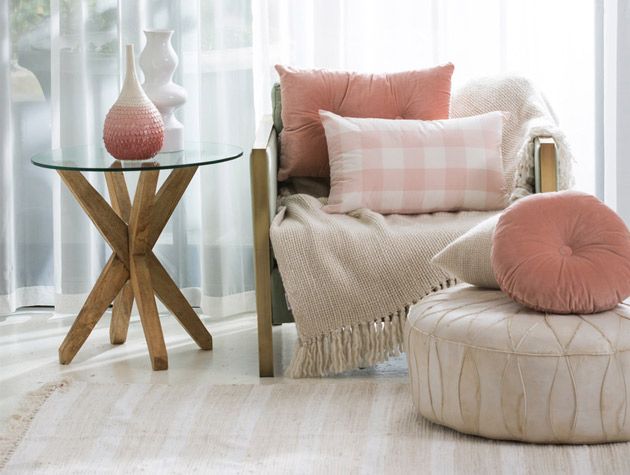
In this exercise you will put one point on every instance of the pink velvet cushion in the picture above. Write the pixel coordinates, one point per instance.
(563, 252)
(408, 95)
(415, 166)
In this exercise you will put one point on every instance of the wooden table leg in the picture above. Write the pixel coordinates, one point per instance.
(115, 273)
(167, 291)
(139, 229)
(167, 198)
(121, 315)
(107, 286)
(170, 295)
(111, 226)
(121, 312)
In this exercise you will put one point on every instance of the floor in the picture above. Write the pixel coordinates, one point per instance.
(30, 337)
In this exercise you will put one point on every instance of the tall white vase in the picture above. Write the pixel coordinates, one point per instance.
(158, 62)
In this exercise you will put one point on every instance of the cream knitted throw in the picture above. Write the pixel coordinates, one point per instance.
(351, 278)
(530, 116)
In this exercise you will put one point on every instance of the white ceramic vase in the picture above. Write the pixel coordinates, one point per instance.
(158, 62)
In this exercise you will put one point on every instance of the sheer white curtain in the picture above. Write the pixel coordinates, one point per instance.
(65, 74)
(550, 42)
(68, 73)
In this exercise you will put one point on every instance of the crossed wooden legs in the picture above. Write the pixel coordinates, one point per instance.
(133, 271)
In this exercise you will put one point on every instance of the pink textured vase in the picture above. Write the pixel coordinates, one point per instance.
(133, 128)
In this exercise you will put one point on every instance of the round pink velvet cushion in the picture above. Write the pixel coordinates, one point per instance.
(563, 252)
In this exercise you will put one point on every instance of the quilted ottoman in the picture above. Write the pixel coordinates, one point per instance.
(482, 364)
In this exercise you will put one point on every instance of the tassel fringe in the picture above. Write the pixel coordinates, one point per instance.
(358, 345)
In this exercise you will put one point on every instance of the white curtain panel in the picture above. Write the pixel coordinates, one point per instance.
(549, 42)
(61, 72)
(71, 51)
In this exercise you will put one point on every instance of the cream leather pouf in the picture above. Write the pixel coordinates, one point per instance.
(485, 365)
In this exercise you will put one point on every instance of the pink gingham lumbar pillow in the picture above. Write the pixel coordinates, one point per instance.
(415, 166)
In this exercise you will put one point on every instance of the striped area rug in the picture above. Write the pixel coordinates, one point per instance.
(327, 426)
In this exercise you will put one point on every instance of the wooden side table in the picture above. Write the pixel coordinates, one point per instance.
(131, 230)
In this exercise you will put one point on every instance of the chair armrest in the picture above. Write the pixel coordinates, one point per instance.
(264, 190)
(264, 170)
(545, 165)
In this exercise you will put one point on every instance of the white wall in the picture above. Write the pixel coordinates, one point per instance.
(616, 81)
(623, 109)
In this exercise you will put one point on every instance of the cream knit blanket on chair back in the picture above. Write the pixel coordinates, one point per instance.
(530, 116)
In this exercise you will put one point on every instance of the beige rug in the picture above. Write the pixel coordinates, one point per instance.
(326, 427)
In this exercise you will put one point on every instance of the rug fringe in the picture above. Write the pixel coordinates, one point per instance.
(358, 345)
(19, 423)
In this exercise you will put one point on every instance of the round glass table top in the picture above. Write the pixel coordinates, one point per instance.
(95, 158)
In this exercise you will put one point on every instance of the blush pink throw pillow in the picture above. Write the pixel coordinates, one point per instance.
(415, 166)
(422, 94)
(563, 252)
